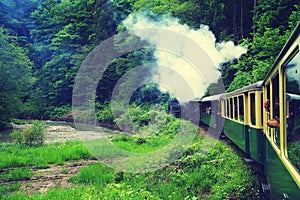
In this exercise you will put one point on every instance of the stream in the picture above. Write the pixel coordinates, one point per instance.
(60, 131)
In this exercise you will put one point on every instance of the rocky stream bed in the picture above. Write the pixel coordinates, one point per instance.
(55, 175)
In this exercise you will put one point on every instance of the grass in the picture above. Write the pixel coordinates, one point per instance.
(294, 153)
(96, 174)
(140, 144)
(13, 155)
(17, 174)
(195, 175)
(207, 169)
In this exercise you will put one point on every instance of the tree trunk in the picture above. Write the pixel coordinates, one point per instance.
(242, 19)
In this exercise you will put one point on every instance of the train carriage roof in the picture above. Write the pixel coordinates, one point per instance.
(248, 88)
(216, 97)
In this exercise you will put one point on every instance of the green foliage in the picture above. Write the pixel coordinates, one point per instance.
(35, 135)
(57, 36)
(95, 174)
(63, 33)
(140, 144)
(17, 136)
(17, 156)
(204, 171)
(15, 76)
(64, 170)
(294, 153)
(274, 22)
(31, 136)
(60, 111)
(18, 121)
(9, 188)
(17, 174)
(104, 113)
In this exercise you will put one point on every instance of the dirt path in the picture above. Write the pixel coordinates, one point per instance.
(52, 177)
(56, 176)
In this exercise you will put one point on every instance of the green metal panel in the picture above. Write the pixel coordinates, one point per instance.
(236, 133)
(257, 144)
(279, 178)
(209, 119)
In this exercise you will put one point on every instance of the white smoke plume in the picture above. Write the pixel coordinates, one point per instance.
(174, 61)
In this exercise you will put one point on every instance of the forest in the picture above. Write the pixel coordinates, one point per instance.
(43, 44)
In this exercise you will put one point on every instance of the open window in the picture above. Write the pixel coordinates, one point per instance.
(241, 107)
(231, 108)
(236, 108)
(252, 109)
(275, 108)
(292, 80)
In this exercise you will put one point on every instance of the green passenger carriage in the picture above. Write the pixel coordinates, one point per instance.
(282, 87)
(263, 120)
(241, 110)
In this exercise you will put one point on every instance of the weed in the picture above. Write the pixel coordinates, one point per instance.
(64, 170)
(31, 136)
(204, 171)
(13, 155)
(18, 121)
(95, 174)
(18, 174)
(9, 188)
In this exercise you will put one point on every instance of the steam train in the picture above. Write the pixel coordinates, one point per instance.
(263, 120)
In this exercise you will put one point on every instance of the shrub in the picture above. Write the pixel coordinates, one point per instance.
(60, 111)
(18, 121)
(17, 136)
(35, 135)
(140, 140)
(32, 136)
(104, 113)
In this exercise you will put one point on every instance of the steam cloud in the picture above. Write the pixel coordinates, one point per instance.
(172, 64)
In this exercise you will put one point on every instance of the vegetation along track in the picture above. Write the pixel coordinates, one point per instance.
(40, 180)
(257, 169)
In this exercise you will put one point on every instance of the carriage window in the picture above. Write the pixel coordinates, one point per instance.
(261, 103)
(292, 73)
(235, 103)
(241, 108)
(231, 108)
(275, 109)
(228, 108)
(207, 107)
(267, 108)
(252, 108)
(224, 107)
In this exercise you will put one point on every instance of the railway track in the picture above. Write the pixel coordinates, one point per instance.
(256, 168)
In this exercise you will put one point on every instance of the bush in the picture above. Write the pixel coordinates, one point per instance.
(60, 111)
(31, 136)
(17, 136)
(104, 113)
(18, 121)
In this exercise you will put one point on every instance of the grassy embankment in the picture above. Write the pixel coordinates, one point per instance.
(206, 170)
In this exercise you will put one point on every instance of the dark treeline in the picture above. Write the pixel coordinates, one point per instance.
(43, 43)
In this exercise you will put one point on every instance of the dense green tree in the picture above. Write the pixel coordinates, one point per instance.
(64, 32)
(14, 15)
(15, 77)
(58, 34)
(267, 41)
